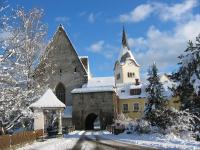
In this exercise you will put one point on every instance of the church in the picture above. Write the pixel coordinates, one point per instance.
(92, 99)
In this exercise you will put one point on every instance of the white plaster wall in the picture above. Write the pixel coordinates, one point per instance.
(38, 119)
(128, 66)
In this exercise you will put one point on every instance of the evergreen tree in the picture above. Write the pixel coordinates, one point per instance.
(156, 100)
(154, 90)
(188, 79)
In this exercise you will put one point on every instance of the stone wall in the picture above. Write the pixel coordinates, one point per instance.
(98, 103)
(61, 64)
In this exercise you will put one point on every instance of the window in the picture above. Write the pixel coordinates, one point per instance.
(118, 76)
(130, 74)
(125, 108)
(60, 92)
(136, 107)
(122, 91)
(135, 91)
(75, 69)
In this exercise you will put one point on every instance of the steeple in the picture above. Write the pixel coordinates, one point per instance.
(124, 39)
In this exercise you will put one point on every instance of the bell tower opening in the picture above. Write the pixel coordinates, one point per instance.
(60, 92)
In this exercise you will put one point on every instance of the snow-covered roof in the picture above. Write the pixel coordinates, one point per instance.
(67, 112)
(92, 89)
(123, 91)
(97, 84)
(100, 81)
(126, 54)
(83, 57)
(48, 100)
(87, 65)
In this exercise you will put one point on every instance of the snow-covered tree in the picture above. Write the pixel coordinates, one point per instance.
(188, 79)
(156, 99)
(22, 48)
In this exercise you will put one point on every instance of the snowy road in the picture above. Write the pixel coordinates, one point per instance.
(92, 141)
(104, 140)
(82, 140)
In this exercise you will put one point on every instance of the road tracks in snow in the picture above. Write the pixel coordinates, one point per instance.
(90, 141)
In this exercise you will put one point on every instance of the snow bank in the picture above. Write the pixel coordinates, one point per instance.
(68, 142)
(169, 141)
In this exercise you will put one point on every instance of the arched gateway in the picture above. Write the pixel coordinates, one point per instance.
(90, 121)
(90, 105)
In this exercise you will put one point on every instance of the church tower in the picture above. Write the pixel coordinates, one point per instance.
(126, 69)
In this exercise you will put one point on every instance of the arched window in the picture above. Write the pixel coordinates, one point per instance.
(60, 92)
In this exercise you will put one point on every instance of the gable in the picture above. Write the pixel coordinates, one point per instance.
(61, 51)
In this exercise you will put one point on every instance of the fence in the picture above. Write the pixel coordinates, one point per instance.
(7, 141)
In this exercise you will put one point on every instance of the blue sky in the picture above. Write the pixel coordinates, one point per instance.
(157, 30)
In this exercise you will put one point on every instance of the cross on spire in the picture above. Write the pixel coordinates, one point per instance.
(124, 39)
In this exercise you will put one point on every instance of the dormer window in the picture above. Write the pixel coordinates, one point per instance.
(135, 91)
(122, 91)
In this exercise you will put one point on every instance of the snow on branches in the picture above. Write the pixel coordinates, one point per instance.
(22, 48)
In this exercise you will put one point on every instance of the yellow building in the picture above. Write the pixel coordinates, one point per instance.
(132, 98)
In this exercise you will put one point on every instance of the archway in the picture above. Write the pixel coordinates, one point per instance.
(89, 121)
(60, 92)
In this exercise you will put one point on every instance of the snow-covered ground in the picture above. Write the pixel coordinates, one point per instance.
(67, 142)
(168, 142)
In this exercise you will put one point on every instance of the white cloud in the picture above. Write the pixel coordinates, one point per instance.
(62, 19)
(177, 11)
(166, 12)
(140, 13)
(96, 47)
(164, 46)
(105, 49)
(139, 44)
(190, 29)
(91, 18)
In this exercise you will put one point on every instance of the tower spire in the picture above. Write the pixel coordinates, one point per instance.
(124, 39)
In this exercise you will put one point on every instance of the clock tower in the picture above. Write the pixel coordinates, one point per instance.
(126, 69)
